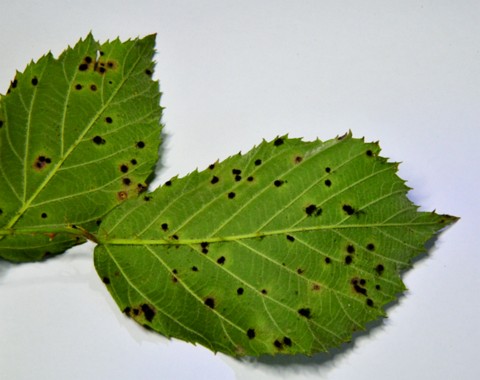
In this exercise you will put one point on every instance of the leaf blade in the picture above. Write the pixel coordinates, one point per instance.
(286, 249)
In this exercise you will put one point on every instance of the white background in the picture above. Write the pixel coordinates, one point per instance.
(406, 73)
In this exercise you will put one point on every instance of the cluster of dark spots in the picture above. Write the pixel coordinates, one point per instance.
(328, 170)
(214, 180)
(126, 181)
(221, 260)
(290, 238)
(147, 198)
(93, 87)
(133, 161)
(305, 312)
(250, 179)
(251, 333)
(148, 72)
(327, 260)
(236, 171)
(34, 81)
(44, 215)
(168, 183)
(106, 280)
(258, 162)
(370, 302)
(350, 248)
(124, 168)
(278, 182)
(210, 302)
(98, 140)
(298, 159)
(316, 287)
(122, 195)
(204, 246)
(278, 142)
(369, 153)
(371, 247)
(313, 210)
(83, 67)
(379, 269)
(348, 209)
(300, 271)
(140, 145)
(78, 86)
(194, 269)
(41, 162)
(231, 195)
(264, 291)
(328, 183)
(148, 312)
(141, 187)
(240, 291)
(348, 259)
(164, 227)
(358, 286)
(136, 311)
(108, 120)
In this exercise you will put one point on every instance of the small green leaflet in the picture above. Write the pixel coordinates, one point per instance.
(289, 248)
(78, 136)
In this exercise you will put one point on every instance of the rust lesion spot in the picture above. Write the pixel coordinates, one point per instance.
(122, 195)
(41, 162)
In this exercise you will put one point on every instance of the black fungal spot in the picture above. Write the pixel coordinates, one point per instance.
(287, 341)
(369, 153)
(250, 179)
(98, 140)
(194, 269)
(211, 166)
(1, 211)
(174, 271)
(108, 120)
(148, 312)
(379, 269)
(88, 59)
(363, 281)
(370, 246)
(328, 170)
(98, 222)
(140, 145)
(83, 67)
(278, 142)
(175, 237)
(214, 180)
(370, 302)
(236, 171)
(148, 72)
(168, 183)
(93, 87)
(305, 312)
(290, 238)
(110, 64)
(240, 291)
(328, 183)
(44, 215)
(348, 209)
(1, 123)
(358, 288)
(258, 162)
(278, 344)
(278, 183)
(141, 188)
(165, 226)
(350, 249)
(210, 302)
(221, 260)
(316, 287)
(78, 86)
(231, 195)
(126, 181)
(300, 271)
(310, 209)
(204, 246)
(264, 291)
(251, 333)
(348, 259)
(327, 260)
(34, 81)
(127, 310)
(238, 178)
(298, 159)
(377, 287)
(133, 161)
(124, 168)
(106, 280)
(136, 311)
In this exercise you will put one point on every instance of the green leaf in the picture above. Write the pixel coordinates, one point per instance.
(289, 248)
(78, 135)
